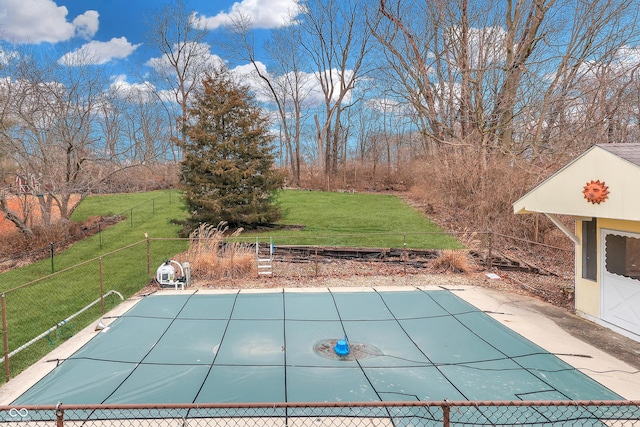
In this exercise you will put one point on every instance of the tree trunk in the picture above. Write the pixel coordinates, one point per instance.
(14, 218)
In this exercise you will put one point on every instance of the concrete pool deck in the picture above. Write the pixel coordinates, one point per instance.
(574, 340)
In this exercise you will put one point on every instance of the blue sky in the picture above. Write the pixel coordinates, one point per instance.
(113, 34)
(113, 30)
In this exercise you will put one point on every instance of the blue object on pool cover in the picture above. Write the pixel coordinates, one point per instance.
(261, 347)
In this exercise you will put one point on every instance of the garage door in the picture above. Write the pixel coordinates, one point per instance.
(621, 279)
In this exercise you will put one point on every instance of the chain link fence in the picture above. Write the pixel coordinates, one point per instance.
(392, 414)
(40, 315)
(542, 270)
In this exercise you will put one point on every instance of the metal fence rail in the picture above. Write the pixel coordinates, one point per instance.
(338, 414)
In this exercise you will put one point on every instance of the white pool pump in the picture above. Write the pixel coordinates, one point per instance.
(166, 274)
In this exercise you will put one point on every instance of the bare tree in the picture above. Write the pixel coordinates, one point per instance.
(595, 39)
(523, 23)
(286, 86)
(479, 74)
(185, 56)
(62, 136)
(136, 133)
(140, 118)
(52, 110)
(336, 38)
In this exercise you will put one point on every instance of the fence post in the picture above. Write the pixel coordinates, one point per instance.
(490, 255)
(52, 247)
(445, 414)
(316, 260)
(232, 249)
(100, 234)
(59, 416)
(146, 236)
(5, 337)
(101, 284)
(131, 216)
(404, 254)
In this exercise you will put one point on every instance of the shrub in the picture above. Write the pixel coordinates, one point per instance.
(463, 192)
(452, 261)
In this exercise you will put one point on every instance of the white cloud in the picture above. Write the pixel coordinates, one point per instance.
(261, 13)
(386, 106)
(7, 56)
(486, 45)
(36, 21)
(200, 60)
(310, 88)
(248, 76)
(120, 82)
(198, 54)
(96, 52)
(125, 89)
(245, 69)
(316, 94)
(86, 25)
(626, 59)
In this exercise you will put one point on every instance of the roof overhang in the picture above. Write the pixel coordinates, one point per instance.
(563, 192)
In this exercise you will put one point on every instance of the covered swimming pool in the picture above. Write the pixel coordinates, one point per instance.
(247, 346)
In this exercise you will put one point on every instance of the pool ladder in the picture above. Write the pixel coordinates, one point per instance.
(265, 265)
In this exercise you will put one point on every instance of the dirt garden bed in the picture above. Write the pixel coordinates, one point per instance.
(354, 273)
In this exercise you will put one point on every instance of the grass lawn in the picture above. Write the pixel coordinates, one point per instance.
(79, 275)
(353, 219)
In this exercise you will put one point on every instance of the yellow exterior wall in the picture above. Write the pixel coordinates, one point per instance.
(612, 224)
(587, 292)
(587, 295)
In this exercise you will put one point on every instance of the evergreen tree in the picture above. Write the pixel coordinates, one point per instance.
(228, 167)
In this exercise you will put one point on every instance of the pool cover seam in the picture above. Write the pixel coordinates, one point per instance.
(347, 339)
(147, 353)
(284, 356)
(304, 320)
(357, 361)
(455, 316)
(417, 346)
(335, 304)
(235, 299)
(416, 364)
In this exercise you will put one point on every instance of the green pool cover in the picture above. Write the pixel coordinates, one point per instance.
(426, 345)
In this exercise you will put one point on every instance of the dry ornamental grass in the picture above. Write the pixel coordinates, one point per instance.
(452, 261)
(213, 258)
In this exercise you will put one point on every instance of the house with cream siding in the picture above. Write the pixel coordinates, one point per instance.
(600, 190)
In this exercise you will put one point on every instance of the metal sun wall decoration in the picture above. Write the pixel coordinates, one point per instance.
(596, 192)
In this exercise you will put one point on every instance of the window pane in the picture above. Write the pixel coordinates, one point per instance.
(589, 250)
(623, 256)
